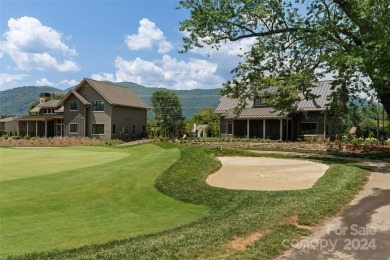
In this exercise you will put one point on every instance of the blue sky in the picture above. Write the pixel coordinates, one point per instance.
(58, 43)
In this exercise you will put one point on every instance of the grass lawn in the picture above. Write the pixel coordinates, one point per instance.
(69, 197)
(274, 215)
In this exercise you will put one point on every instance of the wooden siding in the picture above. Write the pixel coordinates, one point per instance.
(310, 117)
(124, 118)
(96, 117)
(74, 117)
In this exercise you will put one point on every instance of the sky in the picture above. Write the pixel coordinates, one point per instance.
(58, 43)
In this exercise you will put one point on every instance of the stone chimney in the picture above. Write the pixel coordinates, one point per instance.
(43, 97)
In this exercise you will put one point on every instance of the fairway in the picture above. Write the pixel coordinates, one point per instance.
(75, 196)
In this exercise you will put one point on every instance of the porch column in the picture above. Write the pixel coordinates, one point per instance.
(27, 128)
(281, 129)
(36, 128)
(45, 129)
(264, 129)
(247, 128)
(288, 120)
(324, 125)
(226, 128)
(233, 128)
(292, 129)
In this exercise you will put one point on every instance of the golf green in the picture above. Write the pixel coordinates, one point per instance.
(74, 196)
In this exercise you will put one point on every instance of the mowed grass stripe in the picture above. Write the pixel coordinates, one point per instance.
(96, 204)
(19, 163)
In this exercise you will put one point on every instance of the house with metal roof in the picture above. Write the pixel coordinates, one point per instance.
(258, 120)
(94, 109)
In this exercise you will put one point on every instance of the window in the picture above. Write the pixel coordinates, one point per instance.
(73, 128)
(260, 101)
(133, 129)
(230, 129)
(74, 105)
(143, 129)
(308, 128)
(97, 105)
(98, 129)
(113, 129)
(48, 111)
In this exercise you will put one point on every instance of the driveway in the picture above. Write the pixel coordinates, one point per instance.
(362, 228)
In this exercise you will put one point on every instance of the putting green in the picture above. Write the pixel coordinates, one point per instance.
(88, 195)
(30, 162)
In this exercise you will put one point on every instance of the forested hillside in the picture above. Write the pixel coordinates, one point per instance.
(17, 100)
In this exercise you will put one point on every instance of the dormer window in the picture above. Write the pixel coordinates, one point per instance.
(259, 101)
(48, 111)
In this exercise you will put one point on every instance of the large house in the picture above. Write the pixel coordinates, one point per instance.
(259, 120)
(94, 109)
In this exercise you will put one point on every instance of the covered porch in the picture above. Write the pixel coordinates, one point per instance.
(265, 128)
(41, 126)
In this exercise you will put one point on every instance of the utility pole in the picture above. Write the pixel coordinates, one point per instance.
(383, 125)
(377, 117)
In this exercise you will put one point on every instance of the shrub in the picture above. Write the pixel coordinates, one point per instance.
(347, 138)
(371, 141)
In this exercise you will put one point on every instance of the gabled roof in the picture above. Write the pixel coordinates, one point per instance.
(53, 103)
(322, 89)
(77, 95)
(114, 94)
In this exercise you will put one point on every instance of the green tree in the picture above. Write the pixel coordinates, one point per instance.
(57, 96)
(207, 116)
(167, 111)
(368, 127)
(297, 43)
(36, 103)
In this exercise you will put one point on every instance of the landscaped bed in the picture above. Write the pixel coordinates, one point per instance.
(240, 224)
(51, 142)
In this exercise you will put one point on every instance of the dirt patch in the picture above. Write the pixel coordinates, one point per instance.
(251, 173)
(241, 243)
(294, 220)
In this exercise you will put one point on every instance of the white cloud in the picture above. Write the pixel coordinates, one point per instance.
(69, 83)
(148, 35)
(34, 46)
(227, 56)
(103, 77)
(167, 72)
(8, 78)
(227, 48)
(44, 82)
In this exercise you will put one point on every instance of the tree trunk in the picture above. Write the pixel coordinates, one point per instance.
(384, 99)
(382, 87)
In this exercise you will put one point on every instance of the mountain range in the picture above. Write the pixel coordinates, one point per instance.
(16, 101)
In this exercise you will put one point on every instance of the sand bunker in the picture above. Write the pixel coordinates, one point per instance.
(262, 173)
